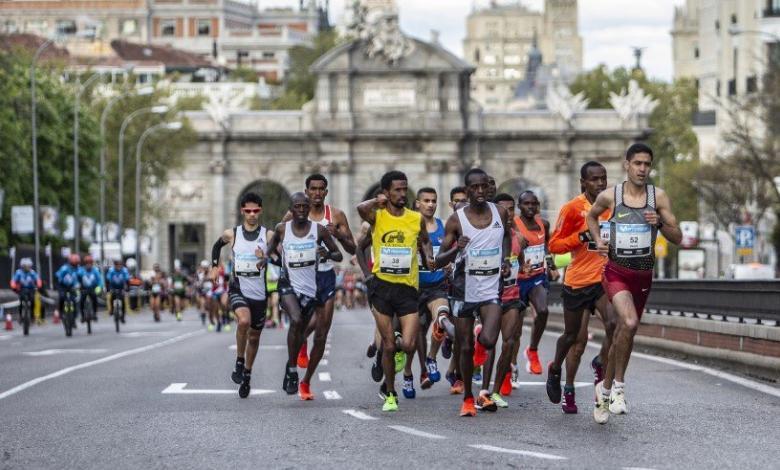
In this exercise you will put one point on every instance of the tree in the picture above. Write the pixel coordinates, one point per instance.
(300, 81)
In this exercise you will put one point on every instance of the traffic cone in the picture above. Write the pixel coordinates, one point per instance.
(56, 317)
(9, 323)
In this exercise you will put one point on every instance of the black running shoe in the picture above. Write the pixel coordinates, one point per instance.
(376, 368)
(371, 351)
(553, 384)
(238, 373)
(243, 390)
(290, 384)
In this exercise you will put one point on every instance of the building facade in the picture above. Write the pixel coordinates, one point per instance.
(229, 32)
(499, 38)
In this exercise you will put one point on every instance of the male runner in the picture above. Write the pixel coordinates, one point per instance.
(534, 286)
(492, 189)
(397, 236)
(583, 294)
(639, 211)
(481, 234)
(158, 287)
(179, 283)
(301, 242)
(249, 243)
(337, 225)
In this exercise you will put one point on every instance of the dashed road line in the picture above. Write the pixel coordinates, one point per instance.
(526, 453)
(331, 395)
(324, 376)
(415, 432)
(359, 415)
(180, 389)
(323, 362)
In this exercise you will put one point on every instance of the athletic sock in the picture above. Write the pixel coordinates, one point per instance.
(247, 373)
(618, 386)
(605, 392)
(568, 389)
(240, 360)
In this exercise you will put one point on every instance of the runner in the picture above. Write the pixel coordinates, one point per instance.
(158, 286)
(203, 286)
(178, 283)
(301, 242)
(481, 234)
(396, 239)
(639, 211)
(583, 294)
(534, 285)
(455, 297)
(336, 222)
(246, 291)
(91, 285)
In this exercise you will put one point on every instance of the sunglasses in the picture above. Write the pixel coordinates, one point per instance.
(250, 211)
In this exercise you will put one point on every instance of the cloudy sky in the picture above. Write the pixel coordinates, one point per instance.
(608, 27)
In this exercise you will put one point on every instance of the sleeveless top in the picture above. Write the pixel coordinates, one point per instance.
(428, 278)
(324, 265)
(394, 247)
(251, 281)
(534, 252)
(299, 256)
(483, 257)
(511, 289)
(632, 239)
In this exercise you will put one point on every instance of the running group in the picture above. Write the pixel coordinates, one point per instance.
(468, 279)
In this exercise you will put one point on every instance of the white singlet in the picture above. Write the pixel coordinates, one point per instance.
(483, 257)
(300, 259)
(251, 281)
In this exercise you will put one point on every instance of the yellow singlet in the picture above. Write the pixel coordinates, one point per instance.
(394, 245)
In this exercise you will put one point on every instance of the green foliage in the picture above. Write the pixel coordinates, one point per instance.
(300, 81)
(191, 103)
(243, 74)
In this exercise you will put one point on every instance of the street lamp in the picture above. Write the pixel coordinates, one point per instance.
(161, 109)
(77, 210)
(168, 126)
(141, 92)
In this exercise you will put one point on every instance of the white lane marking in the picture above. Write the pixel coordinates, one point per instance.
(576, 384)
(2, 337)
(638, 468)
(415, 432)
(102, 360)
(331, 395)
(144, 334)
(327, 353)
(324, 376)
(527, 453)
(274, 347)
(51, 352)
(179, 388)
(359, 415)
(757, 386)
(323, 362)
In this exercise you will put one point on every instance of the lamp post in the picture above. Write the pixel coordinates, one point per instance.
(169, 126)
(103, 117)
(161, 109)
(77, 201)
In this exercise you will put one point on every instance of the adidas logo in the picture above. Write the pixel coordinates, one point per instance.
(311, 237)
(497, 225)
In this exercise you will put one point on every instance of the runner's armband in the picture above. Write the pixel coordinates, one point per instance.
(215, 252)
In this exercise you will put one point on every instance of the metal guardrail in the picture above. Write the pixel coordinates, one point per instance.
(758, 300)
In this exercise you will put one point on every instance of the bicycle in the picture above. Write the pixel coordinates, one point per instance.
(25, 310)
(86, 312)
(116, 309)
(69, 311)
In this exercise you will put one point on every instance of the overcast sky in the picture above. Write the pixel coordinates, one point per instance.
(608, 27)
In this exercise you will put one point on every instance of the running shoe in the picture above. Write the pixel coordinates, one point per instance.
(238, 373)
(371, 351)
(450, 376)
(202, 318)
(178, 317)
(376, 368)
(210, 327)
(515, 377)
(480, 353)
(219, 327)
(532, 366)
(500, 402)
(506, 385)
(484, 402)
(468, 408)
(601, 408)
(476, 377)
(391, 402)
(305, 392)
(617, 402)
(457, 387)
(553, 384)
(400, 361)
(290, 383)
(446, 348)
(569, 406)
(303, 356)
(425, 381)
(227, 328)
(243, 390)
(383, 391)
(598, 370)
(433, 369)
(408, 389)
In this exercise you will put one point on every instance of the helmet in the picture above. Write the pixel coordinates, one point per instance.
(204, 264)
(88, 260)
(74, 258)
(25, 263)
(118, 261)
(130, 263)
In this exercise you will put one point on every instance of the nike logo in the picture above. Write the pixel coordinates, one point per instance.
(620, 216)
(645, 290)
(540, 235)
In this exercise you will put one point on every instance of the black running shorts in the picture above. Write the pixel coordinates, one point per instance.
(392, 299)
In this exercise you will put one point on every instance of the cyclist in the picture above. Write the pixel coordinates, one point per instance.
(92, 285)
(68, 280)
(117, 278)
(25, 280)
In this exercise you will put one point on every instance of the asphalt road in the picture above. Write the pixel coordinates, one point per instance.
(119, 401)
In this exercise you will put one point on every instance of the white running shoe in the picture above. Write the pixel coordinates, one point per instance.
(601, 408)
(515, 378)
(617, 402)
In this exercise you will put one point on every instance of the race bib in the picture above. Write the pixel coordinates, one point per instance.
(436, 249)
(633, 240)
(156, 289)
(535, 255)
(515, 268)
(395, 260)
(605, 232)
(246, 264)
(483, 262)
(178, 285)
(208, 285)
(300, 255)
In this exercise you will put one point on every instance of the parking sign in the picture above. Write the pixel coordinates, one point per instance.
(745, 239)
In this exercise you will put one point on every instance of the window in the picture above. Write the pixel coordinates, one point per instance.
(66, 27)
(268, 55)
(512, 74)
(204, 27)
(751, 84)
(36, 26)
(9, 26)
(168, 27)
(732, 87)
(717, 25)
(696, 52)
(128, 27)
(476, 56)
(717, 88)
(489, 59)
(733, 19)
(512, 59)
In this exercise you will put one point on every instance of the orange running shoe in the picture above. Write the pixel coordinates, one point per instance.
(305, 392)
(506, 385)
(484, 403)
(303, 356)
(480, 353)
(533, 366)
(468, 408)
(457, 388)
